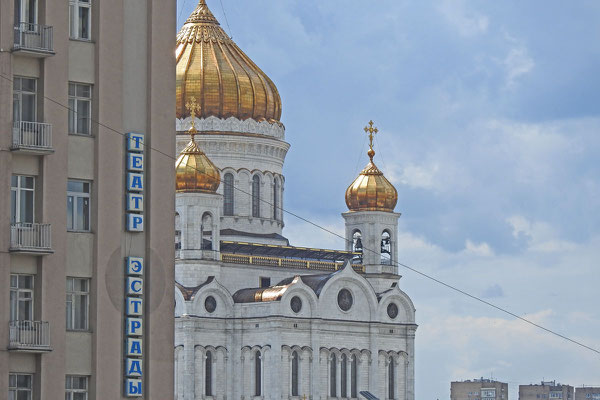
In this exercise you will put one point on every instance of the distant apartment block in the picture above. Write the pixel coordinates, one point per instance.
(587, 393)
(479, 389)
(546, 390)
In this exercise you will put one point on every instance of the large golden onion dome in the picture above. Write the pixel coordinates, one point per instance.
(194, 172)
(213, 69)
(371, 191)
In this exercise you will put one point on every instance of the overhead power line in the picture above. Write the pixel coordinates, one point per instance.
(316, 225)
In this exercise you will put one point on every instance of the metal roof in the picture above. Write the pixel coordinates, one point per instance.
(272, 250)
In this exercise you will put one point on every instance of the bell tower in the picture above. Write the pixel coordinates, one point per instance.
(371, 223)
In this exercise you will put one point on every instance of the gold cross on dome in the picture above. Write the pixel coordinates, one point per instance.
(192, 107)
(371, 130)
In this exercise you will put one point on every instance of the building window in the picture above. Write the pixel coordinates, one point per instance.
(21, 297)
(78, 294)
(26, 12)
(276, 200)
(24, 99)
(208, 391)
(256, 196)
(344, 372)
(354, 377)
(391, 380)
(79, 17)
(21, 199)
(20, 386)
(177, 231)
(78, 206)
(76, 387)
(357, 247)
(80, 108)
(295, 368)
(257, 373)
(333, 376)
(228, 194)
(206, 228)
(264, 282)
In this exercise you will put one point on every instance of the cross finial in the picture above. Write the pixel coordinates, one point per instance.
(192, 107)
(371, 130)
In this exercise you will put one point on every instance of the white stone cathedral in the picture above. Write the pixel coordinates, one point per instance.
(255, 317)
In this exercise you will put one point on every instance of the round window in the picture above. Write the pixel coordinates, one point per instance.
(345, 299)
(392, 310)
(210, 304)
(296, 304)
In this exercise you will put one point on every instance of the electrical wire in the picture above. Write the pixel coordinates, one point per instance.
(226, 20)
(399, 264)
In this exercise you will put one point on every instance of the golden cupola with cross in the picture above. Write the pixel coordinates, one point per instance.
(194, 172)
(371, 191)
(222, 78)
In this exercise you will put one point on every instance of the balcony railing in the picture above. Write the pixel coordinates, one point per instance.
(29, 335)
(34, 38)
(32, 136)
(286, 262)
(31, 238)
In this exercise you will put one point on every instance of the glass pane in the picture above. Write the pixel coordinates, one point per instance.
(83, 117)
(72, 116)
(69, 309)
(84, 22)
(79, 396)
(28, 85)
(13, 206)
(23, 395)
(26, 206)
(75, 186)
(80, 311)
(14, 279)
(28, 107)
(72, 88)
(70, 284)
(13, 305)
(79, 218)
(25, 281)
(86, 214)
(27, 182)
(81, 382)
(24, 381)
(81, 285)
(14, 181)
(70, 212)
(16, 107)
(25, 310)
(83, 90)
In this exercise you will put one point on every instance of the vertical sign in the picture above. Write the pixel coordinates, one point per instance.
(134, 270)
(135, 182)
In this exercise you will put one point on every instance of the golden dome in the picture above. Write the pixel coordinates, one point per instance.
(194, 172)
(213, 69)
(371, 191)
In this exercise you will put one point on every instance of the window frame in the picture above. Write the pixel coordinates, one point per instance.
(74, 25)
(25, 5)
(18, 291)
(17, 216)
(15, 388)
(18, 98)
(256, 196)
(258, 374)
(295, 378)
(71, 294)
(70, 391)
(228, 194)
(208, 374)
(74, 226)
(74, 101)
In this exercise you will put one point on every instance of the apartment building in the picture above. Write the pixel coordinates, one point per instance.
(587, 393)
(86, 217)
(546, 390)
(478, 389)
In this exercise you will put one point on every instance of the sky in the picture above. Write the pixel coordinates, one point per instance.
(489, 119)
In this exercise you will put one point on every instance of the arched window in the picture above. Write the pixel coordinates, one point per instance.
(344, 372)
(276, 200)
(208, 391)
(206, 229)
(354, 378)
(257, 373)
(333, 376)
(357, 247)
(386, 248)
(295, 367)
(228, 194)
(256, 196)
(391, 380)
(177, 231)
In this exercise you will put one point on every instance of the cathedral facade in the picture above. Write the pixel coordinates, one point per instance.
(256, 317)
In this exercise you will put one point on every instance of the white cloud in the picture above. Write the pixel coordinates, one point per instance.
(517, 63)
(467, 22)
(481, 249)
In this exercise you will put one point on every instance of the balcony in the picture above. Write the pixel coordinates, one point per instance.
(28, 238)
(32, 137)
(33, 40)
(30, 336)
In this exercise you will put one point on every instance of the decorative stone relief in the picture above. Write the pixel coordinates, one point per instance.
(232, 124)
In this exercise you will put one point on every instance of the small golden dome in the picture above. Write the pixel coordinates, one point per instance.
(194, 170)
(213, 69)
(371, 191)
